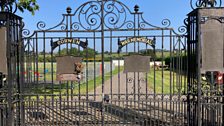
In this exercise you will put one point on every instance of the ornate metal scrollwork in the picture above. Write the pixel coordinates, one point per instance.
(166, 23)
(89, 15)
(205, 3)
(130, 80)
(41, 25)
(8, 6)
(25, 32)
(182, 30)
(116, 15)
(143, 24)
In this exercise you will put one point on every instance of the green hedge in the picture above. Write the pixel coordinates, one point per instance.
(177, 63)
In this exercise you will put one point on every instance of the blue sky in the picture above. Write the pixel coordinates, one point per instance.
(154, 11)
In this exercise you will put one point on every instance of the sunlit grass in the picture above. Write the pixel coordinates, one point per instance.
(166, 82)
(74, 88)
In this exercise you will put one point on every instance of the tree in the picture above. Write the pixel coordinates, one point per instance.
(148, 52)
(75, 52)
(30, 5)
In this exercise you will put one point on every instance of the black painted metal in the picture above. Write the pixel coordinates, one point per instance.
(205, 98)
(169, 94)
(205, 3)
(106, 96)
(12, 80)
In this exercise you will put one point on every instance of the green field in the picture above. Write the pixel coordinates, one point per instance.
(164, 83)
(121, 55)
(107, 57)
(74, 88)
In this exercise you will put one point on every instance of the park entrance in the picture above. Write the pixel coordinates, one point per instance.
(103, 64)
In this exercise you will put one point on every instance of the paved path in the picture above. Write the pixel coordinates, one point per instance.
(123, 83)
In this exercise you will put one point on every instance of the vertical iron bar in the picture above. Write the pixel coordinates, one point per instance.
(147, 88)
(127, 87)
(9, 109)
(170, 68)
(119, 76)
(102, 57)
(134, 82)
(179, 64)
(87, 97)
(36, 61)
(87, 79)
(67, 53)
(44, 53)
(162, 71)
(188, 70)
(154, 80)
(111, 65)
(94, 47)
(139, 81)
(33, 70)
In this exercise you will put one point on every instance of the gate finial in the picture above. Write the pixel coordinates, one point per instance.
(69, 10)
(136, 8)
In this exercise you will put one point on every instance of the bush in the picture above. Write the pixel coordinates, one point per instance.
(177, 62)
(167, 61)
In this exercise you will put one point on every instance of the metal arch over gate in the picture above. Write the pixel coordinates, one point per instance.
(102, 93)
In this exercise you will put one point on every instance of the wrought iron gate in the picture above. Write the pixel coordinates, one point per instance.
(205, 90)
(111, 89)
(101, 65)
(11, 65)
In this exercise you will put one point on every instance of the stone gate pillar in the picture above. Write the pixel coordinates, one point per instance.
(11, 65)
(205, 55)
(3, 58)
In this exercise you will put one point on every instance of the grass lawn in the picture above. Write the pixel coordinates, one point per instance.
(68, 88)
(170, 83)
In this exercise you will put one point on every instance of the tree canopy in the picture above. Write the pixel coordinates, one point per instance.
(83, 53)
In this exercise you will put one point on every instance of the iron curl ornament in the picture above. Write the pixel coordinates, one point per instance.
(26, 33)
(205, 3)
(41, 25)
(115, 15)
(88, 16)
(8, 6)
(166, 23)
(182, 30)
(130, 80)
